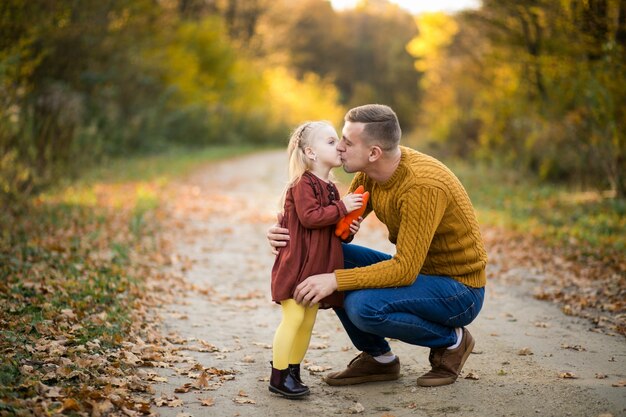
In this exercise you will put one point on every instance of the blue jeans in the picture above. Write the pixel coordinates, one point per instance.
(424, 313)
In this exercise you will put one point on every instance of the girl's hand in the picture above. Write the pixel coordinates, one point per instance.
(355, 226)
(352, 201)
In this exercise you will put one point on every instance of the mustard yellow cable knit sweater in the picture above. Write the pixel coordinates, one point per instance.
(431, 221)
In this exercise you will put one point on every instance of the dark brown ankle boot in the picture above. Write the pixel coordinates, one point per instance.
(295, 371)
(284, 383)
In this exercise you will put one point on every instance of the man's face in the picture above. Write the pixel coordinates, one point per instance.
(353, 149)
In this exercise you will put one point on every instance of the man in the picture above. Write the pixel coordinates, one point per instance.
(432, 287)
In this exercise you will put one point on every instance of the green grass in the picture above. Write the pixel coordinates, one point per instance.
(589, 223)
(161, 167)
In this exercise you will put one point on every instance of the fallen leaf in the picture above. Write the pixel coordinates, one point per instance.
(244, 400)
(203, 380)
(525, 352)
(68, 313)
(185, 388)
(578, 348)
(219, 372)
(619, 384)
(600, 376)
(472, 376)
(53, 392)
(318, 346)
(209, 346)
(316, 368)
(69, 404)
(170, 401)
(175, 403)
(568, 375)
(357, 408)
(131, 359)
(207, 402)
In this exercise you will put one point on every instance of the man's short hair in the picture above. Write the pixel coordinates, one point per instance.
(381, 124)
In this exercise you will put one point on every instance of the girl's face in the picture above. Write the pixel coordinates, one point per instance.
(324, 146)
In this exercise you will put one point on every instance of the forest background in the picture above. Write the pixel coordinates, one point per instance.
(525, 99)
(534, 86)
(102, 103)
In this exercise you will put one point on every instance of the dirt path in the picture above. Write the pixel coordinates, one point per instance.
(226, 323)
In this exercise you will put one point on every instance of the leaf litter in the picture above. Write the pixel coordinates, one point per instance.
(79, 293)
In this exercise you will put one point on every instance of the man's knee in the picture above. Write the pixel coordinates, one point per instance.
(362, 310)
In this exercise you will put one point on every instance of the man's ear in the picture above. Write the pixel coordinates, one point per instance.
(375, 153)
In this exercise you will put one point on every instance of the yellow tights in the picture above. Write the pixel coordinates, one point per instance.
(293, 335)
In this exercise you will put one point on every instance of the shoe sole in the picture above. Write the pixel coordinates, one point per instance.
(288, 395)
(360, 380)
(437, 382)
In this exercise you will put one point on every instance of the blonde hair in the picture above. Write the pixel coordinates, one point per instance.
(299, 163)
(381, 124)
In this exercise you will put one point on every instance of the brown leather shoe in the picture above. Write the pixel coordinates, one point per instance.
(447, 363)
(364, 368)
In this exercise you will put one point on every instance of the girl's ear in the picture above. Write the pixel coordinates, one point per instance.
(375, 153)
(309, 153)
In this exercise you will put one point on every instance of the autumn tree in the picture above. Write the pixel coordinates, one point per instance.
(537, 85)
(362, 51)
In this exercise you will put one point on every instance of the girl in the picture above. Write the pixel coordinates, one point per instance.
(311, 209)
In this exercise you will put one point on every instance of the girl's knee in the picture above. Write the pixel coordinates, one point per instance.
(293, 313)
(309, 317)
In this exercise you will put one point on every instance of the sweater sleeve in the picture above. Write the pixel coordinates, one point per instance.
(421, 210)
(310, 212)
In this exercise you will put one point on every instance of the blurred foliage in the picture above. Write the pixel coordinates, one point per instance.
(363, 50)
(535, 85)
(583, 224)
(81, 83)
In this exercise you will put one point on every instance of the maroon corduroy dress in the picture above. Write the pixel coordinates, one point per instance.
(312, 208)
